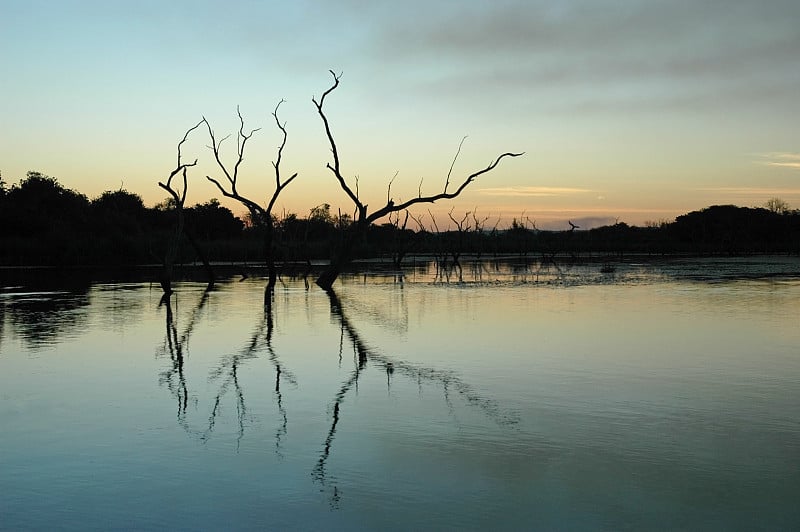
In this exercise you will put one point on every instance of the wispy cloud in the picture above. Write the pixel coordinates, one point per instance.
(782, 159)
(537, 192)
(597, 53)
(752, 191)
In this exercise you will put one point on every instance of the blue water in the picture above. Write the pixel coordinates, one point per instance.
(648, 399)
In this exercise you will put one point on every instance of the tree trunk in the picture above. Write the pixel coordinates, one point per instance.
(343, 257)
(203, 258)
(172, 252)
(269, 252)
(329, 275)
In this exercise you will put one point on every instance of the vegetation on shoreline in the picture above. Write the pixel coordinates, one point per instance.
(44, 223)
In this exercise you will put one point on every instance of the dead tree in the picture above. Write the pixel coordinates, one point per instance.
(179, 199)
(439, 249)
(458, 241)
(401, 242)
(259, 214)
(364, 218)
(480, 232)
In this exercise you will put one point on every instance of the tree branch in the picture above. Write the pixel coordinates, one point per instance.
(458, 152)
(180, 168)
(336, 169)
(277, 163)
(232, 178)
(443, 195)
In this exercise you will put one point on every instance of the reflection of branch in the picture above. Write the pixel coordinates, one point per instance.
(360, 351)
(319, 470)
(416, 372)
(445, 379)
(259, 340)
(176, 346)
(279, 371)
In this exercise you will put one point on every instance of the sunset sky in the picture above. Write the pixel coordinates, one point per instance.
(628, 110)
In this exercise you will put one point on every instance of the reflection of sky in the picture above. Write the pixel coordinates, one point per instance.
(634, 404)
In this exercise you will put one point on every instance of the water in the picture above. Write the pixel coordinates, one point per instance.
(657, 397)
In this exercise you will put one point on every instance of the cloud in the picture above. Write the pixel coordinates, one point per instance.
(670, 54)
(752, 191)
(782, 159)
(537, 192)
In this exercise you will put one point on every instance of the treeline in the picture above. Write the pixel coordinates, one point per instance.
(44, 223)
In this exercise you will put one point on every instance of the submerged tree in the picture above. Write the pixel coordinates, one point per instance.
(178, 196)
(261, 216)
(363, 218)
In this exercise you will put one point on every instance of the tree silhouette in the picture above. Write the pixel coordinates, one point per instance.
(364, 218)
(178, 194)
(258, 214)
(777, 205)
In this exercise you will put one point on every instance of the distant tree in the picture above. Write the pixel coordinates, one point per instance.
(321, 214)
(363, 218)
(47, 221)
(259, 215)
(39, 204)
(210, 220)
(119, 219)
(321, 223)
(657, 224)
(731, 229)
(119, 209)
(777, 205)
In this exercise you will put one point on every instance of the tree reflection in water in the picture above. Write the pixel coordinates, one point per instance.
(445, 379)
(45, 317)
(174, 346)
(226, 376)
(2, 322)
(226, 373)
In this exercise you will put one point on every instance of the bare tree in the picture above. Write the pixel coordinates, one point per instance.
(363, 218)
(178, 194)
(777, 205)
(401, 242)
(259, 214)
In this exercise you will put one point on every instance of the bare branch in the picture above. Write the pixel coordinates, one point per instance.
(459, 224)
(405, 221)
(242, 138)
(433, 221)
(418, 220)
(336, 169)
(179, 168)
(277, 163)
(389, 188)
(444, 195)
(458, 152)
(479, 223)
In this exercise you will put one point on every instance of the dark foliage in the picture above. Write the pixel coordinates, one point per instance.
(44, 223)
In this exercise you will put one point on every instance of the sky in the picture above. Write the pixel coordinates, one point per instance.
(627, 110)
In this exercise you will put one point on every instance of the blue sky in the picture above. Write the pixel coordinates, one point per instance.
(626, 110)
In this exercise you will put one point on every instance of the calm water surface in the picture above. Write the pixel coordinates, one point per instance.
(654, 398)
